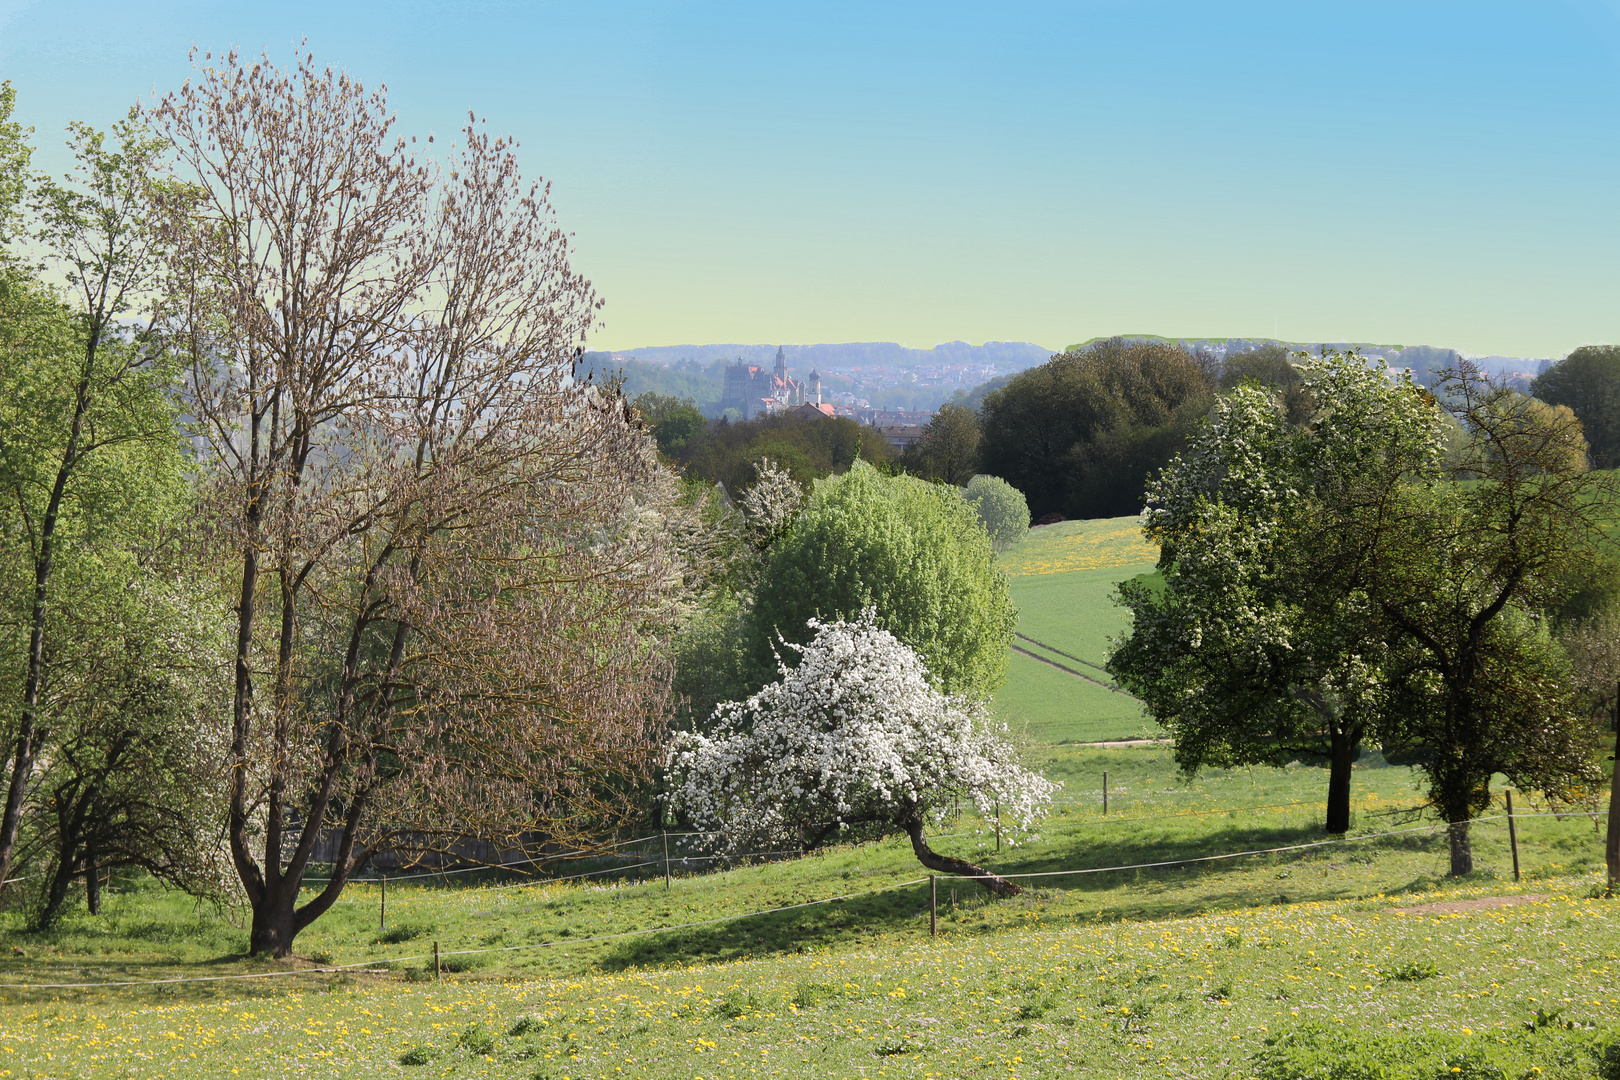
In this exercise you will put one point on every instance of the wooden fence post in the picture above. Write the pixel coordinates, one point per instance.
(1513, 835)
(933, 905)
(437, 970)
(1611, 842)
(665, 835)
(382, 911)
(1105, 791)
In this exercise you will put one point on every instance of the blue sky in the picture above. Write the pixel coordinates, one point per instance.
(1398, 173)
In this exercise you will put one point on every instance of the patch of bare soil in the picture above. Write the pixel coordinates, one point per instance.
(1476, 904)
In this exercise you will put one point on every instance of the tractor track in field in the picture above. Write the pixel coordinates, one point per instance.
(1065, 668)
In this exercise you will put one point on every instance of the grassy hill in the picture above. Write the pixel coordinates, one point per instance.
(1192, 969)
(1063, 578)
(1203, 929)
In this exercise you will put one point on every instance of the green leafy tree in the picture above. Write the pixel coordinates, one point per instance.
(1357, 570)
(949, 449)
(1248, 650)
(1001, 508)
(15, 154)
(1081, 434)
(912, 550)
(1588, 382)
(673, 421)
(85, 392)
(1464, 571)
(139, 684)
(809, 448)
(1271, 366)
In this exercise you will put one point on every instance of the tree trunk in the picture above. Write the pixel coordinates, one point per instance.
(29, 734)
(1341, 760)
(1462, 852)
(273, 929)
(55, 895)
(92, 879)
(946, 864)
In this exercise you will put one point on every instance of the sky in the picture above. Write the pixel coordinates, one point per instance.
(1402, 173)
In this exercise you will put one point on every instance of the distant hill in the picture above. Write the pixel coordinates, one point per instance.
(690, 379)
(1001, 355)
(880, 374)
(890, 375)
(1424, 360)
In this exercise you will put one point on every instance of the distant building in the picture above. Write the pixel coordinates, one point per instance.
(808, 411)
(753, 391)
(893, 417)
(901, 436)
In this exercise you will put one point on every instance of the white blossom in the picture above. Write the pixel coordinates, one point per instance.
(852, 738)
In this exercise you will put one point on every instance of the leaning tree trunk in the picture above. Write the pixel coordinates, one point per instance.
(947, 864)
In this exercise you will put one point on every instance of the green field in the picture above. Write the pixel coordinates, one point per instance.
(1062, 580)
(1197, 964)
(1166, 958)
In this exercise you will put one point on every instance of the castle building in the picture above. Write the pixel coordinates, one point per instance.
(752, 390)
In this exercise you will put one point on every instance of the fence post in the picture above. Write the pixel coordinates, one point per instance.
(1105, 791)
(998, 824)
(1513, 835)
(665, 835)
(382, 911)
(437, 970)
(933, 905)
(1611, 842)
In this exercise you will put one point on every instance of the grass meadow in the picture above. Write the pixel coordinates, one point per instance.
(1355, 960)
(1062, 579)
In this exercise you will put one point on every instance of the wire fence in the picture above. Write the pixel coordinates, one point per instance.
(386, 964)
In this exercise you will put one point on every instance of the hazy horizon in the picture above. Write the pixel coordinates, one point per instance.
(1436, 173)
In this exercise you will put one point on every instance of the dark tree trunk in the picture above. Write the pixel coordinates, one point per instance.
(947, 864)
(1462, 852)
(1341, 760)
(30, 734)
(92, 879)
(55, 895)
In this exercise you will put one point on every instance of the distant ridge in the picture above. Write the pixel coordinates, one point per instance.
(1000, 355)
(1422, 359)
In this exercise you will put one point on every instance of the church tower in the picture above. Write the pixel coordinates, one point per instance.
(815, 386)
(781, 365)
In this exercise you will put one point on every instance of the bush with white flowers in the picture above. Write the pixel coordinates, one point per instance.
(852, 743)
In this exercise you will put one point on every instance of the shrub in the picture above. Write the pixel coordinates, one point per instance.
(478, 1039)
(401, 933)
(416, 1055)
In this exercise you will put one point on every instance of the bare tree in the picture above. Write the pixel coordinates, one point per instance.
(446, 552)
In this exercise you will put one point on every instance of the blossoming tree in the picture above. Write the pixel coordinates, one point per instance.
(852, 742)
